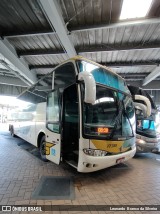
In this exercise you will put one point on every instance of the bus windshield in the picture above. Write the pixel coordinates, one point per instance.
(110, 117)
(146, 128)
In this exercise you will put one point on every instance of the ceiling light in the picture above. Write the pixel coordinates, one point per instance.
(135, 8)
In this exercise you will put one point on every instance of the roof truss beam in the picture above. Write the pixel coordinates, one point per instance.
(153, 75)
(54, 16)
(116, 64)
(29, 33)
(154, 85)
(84, 28)
(108, 48)
(12, 81)
(132, 74)
(90, 50)
(9, 53)
(14, 72)
(10, 90)
(50, 66)
(115, 25)
(133, 80)
(4, 70)
(40, 52)
(130, 64)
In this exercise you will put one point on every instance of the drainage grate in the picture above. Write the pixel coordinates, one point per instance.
(54, 188)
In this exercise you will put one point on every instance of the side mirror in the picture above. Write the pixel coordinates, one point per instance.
(145, 108)
(90, 86)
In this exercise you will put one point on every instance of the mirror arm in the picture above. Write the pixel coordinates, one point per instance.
(90, 86)
(146, 101)
(142, 107)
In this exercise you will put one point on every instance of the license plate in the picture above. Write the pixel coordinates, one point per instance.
(120, 160)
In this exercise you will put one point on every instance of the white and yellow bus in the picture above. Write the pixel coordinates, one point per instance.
(81, 113)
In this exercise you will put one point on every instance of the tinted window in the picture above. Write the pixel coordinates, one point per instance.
(64, 76)
(53, 111)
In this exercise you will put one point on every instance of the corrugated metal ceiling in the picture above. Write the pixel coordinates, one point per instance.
(44, 60)
(36, 42)
(130, 35)
(26, 27)
(124, 56)
(90, 12)
(21, 16)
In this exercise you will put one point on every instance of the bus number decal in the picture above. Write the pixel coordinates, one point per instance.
(48, 146)
(111, 145)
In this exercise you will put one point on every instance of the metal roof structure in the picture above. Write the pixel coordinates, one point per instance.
(37, 35)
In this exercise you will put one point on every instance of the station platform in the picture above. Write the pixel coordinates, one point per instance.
(134, 183)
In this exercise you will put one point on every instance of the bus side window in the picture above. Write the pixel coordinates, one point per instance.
(64, 76)
(53, 112)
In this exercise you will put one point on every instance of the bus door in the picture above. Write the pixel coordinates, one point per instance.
(53, 134)
(70, 134)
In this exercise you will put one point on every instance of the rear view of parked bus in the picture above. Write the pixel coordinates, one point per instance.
(147, 136)
(90, 119)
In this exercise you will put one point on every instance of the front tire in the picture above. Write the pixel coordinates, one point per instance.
(42, 149)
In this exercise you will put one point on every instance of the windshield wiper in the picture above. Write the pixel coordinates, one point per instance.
(117, 119)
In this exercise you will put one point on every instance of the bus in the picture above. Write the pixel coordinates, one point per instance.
(81, 113)
(147, 136)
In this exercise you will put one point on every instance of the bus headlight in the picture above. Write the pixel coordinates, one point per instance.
(94, 152)
(141, 141)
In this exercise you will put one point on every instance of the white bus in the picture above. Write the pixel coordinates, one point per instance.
(147, 135)
(81, 113)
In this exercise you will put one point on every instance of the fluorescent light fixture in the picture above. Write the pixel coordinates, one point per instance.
(134, 8)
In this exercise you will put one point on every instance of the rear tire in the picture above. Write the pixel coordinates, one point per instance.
(42, 149)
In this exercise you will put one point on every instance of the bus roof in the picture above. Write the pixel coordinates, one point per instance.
(95, 63)
(24, 94)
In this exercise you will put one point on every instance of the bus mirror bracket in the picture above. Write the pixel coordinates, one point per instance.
(140, 107)
(146, 108)
(90, 86)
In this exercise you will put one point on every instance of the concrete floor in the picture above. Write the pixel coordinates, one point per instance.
(20, 172)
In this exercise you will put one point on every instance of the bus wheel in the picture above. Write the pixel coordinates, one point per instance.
(42, 149)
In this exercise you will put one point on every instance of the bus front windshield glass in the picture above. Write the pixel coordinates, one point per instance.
(146, 127)
(110, 117)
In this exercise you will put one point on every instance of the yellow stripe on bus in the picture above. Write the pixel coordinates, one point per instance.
(109, 146)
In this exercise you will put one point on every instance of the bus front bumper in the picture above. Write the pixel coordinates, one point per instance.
(89, 163)
(143, 146)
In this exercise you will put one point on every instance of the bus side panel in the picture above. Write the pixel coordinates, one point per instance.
(40, 120)
(29, 123)
(24, 127)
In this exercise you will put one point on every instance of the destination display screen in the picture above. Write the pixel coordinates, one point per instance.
(102, 130)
